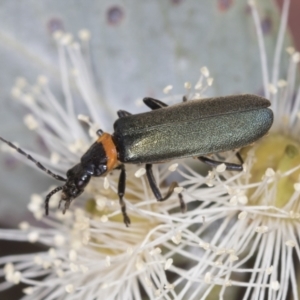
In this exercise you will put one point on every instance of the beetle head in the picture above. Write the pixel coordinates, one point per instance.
(77, 179)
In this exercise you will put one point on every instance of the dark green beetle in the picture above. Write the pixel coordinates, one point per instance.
(190, 129)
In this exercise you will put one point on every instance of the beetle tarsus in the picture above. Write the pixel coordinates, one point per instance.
(123, 113)
(48, 198)
(215, 163)
(239, 157)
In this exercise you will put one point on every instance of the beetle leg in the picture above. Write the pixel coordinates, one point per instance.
(215, 163)
(154, 103)
(123, 113)
(121, 191)
(99, 132)
(157, 192)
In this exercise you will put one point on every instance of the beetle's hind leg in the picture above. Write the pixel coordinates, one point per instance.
(154, 103)
(215, 163)
(157, 192)
(157, 104)
(121, 192)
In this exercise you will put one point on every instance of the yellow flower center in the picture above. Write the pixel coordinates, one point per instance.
(281, 153)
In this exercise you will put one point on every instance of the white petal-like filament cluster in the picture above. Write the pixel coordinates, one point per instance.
(234, 235)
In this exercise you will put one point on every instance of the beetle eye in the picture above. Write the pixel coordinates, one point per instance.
(100, 170)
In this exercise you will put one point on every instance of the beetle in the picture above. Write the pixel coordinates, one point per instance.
(189, 129)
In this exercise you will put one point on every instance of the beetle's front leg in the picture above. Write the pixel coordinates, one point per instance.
(157, 192)
(121, 192)
(215, 163)
(123, 113)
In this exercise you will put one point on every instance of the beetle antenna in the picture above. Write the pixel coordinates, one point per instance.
(39, 165)
(49, 196)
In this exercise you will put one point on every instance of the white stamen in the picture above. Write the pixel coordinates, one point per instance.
(54, 158)
(57, 35)
(70, 288)
(140, 172)
(100, 202)
(204, 245)
(204, 71)
(296, 57)
(297, 186)
(16, 92)
(59, 240)
(173, 167)
(290, 50)
(269, 270)
(72, 255)
(30, 122)
(28, 290)
(24, 225)
(233, 257)
(270, 172)
(84, 118)
(210, 81)
(106, 183)
(42, 80)
(275, 285)
(84, 34)
(33, 236)
(282, 83)
(66, 39)
(21, 82)
(290, 243)
(261, 229)
(207, 278)
(168, 264)
(243, 199)
(178, 189)
(104, 218)
(107, 261)
(242, 215)
(139, 264)
(169, 286)
(272, 89)
(167, 89)
(52, 252)
(155, 251)
(177, 238)
(187, 85)
(221, 168)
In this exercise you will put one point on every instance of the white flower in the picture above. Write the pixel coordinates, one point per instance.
(255, 214)
(91, 252)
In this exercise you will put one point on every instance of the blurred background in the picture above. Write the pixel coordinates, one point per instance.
(136, 49)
